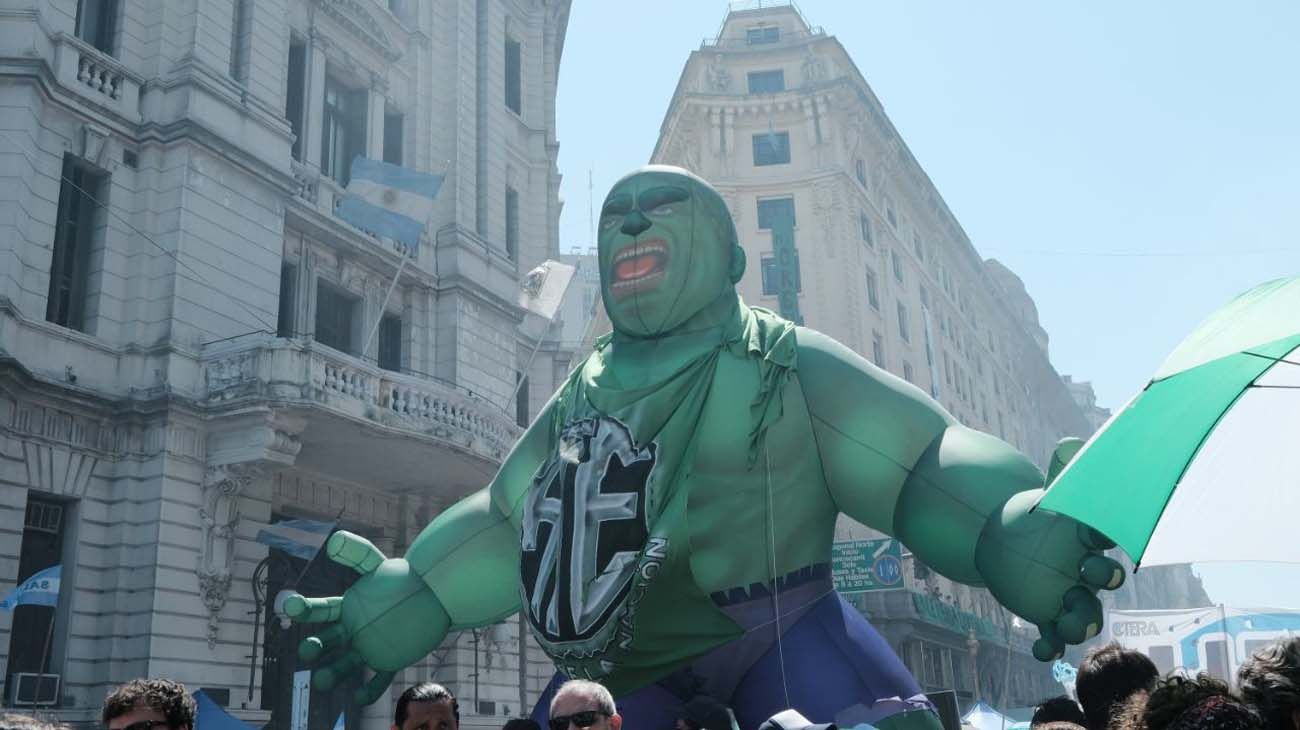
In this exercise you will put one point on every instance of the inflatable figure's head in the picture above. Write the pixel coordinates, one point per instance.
(667, 250)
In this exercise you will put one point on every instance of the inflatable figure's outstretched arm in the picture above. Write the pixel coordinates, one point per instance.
(462, 571)
(958, 498)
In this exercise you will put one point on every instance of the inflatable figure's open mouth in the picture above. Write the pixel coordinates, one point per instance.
(639, 266)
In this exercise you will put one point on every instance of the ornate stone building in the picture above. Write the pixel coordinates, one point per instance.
(185, 326)
(774, 113)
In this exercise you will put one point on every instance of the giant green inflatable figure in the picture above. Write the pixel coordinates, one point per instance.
(666, 522)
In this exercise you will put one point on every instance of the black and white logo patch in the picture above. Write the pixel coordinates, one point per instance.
(584, 530)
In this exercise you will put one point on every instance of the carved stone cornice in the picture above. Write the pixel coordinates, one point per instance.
(355, 17)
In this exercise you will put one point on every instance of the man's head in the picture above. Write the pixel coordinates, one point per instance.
(427, 706)
(1197, 703)
(667, 249)
(581, 704)
(1109, 675)
(1270, 680)
(1057, 709)
(149, 704)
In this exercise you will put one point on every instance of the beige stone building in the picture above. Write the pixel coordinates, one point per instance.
(774, 113)
(183, 323)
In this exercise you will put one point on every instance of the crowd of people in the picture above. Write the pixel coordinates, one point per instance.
(1117, 689)
(1121, 689)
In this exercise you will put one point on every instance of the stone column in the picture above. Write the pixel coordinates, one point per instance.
(314, 104)
(377, 100)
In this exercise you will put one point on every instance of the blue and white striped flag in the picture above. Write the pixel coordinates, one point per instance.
(389, 200)
(41, 589)
(299, 538)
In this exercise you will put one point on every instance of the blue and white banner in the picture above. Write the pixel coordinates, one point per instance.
(42, 589)
(299, 538)
(389, 200)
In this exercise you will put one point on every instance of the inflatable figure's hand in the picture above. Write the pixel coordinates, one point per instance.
(386, 621)
(1047, 568)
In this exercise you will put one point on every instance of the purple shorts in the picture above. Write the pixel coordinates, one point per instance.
(837, 669)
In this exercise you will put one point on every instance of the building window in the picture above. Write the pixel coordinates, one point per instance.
(393, 124)
(903, 330)
(898, 265)
(335, 314)
(865, 224)
(390, 342)
(74, 236)
(97, 23)
(288, 289)
(514, 84)
(771, 282)
(41, 547)
(241, 40)
(889, 215)
(916, 246)
(873, 290)
(908, 373)
(512, 222)
(343, 135)
(925, 297)
(296, 93)
(771, 148)
(860, 171)
(766, 82)
(759, 36)
(772, 209)
(878, 349)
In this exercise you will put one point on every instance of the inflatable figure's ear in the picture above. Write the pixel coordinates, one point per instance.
(737, 263)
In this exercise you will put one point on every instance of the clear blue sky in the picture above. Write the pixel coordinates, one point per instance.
(1137, 164)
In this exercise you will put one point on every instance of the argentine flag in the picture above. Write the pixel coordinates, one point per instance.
(299, 538)
(389, 200)
(41, 589)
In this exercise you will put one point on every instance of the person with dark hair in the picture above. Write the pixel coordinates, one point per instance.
(146, 704)
(1057, 709)
(427, 706)
(521, 723)
(1199, 703)
(704, 713)
(1270, 681)
(1058, 725)
(1108, 676)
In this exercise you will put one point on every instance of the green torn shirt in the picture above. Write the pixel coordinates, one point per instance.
(606, 568)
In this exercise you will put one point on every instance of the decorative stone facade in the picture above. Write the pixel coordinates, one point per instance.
(201, 372)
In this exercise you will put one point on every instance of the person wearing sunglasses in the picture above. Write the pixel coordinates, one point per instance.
(149, 704)
(581, 704)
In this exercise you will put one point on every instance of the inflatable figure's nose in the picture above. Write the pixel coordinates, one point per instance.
(635, 223)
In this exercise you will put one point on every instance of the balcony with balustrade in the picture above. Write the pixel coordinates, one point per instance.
(352, 420)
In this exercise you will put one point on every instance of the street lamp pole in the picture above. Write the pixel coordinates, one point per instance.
(973, 646)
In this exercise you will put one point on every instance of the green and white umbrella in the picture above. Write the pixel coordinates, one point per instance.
(1204, 463)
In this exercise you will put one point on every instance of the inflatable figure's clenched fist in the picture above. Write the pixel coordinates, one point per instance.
(386, 621)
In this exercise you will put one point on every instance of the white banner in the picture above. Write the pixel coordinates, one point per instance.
(1215, 640)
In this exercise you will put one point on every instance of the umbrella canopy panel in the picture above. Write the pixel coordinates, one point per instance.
(1122, 481)
(1247, 470)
